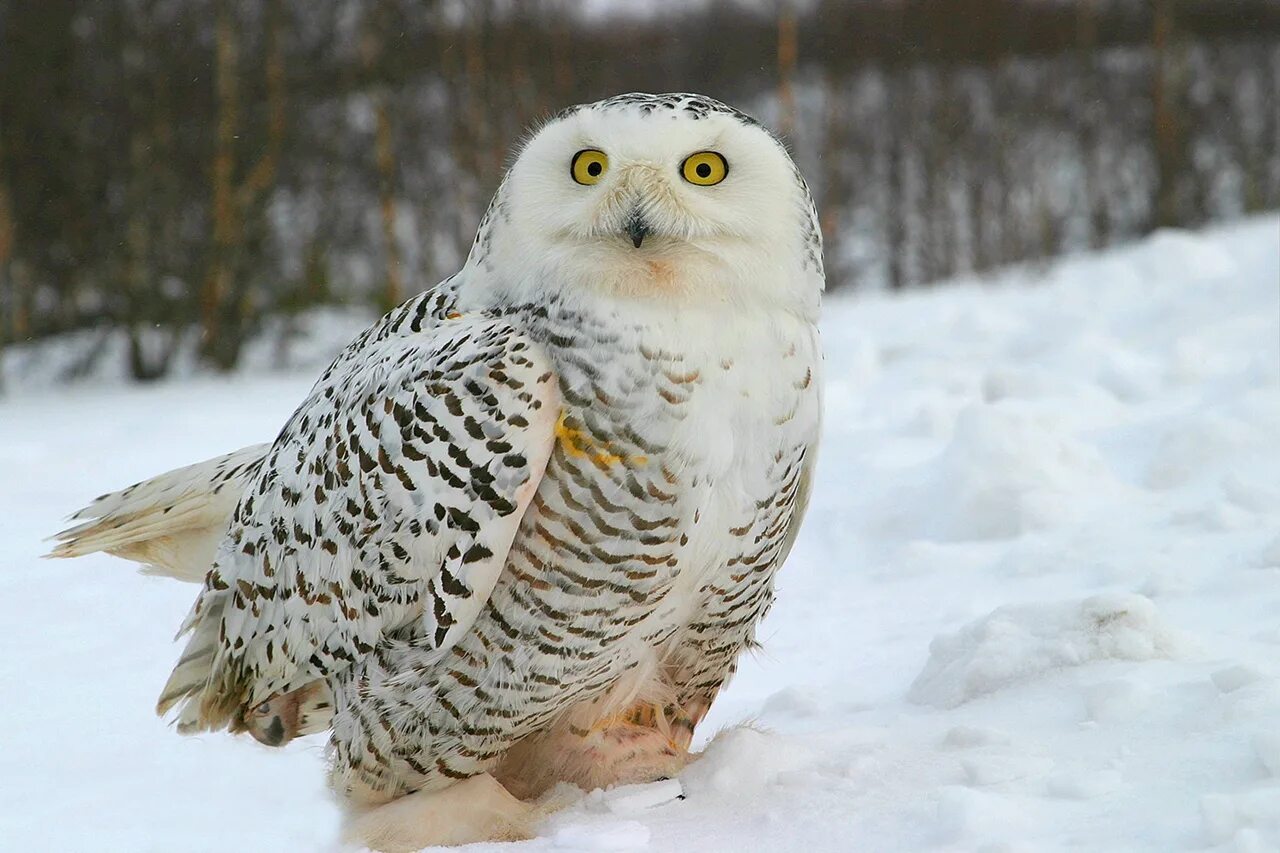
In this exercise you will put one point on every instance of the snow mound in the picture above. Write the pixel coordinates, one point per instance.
(1267, 746)
(966, 815)
(1004, 473)
(1015, 644)
(742, 761)
(1184, 255)
(1243, 818)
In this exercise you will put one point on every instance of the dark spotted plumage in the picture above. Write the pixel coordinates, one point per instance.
(381, 505)
(606, 578)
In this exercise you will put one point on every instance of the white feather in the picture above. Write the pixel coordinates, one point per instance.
(171, 523)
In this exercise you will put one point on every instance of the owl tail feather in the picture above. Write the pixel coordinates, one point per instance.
(188, 683)
(171, 523)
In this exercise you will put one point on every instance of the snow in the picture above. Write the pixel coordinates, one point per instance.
(1035, 605)
(1018, 644)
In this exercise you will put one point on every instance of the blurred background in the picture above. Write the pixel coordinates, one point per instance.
(184, 180)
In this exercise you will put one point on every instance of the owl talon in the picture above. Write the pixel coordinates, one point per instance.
(273, 735)
(286, 716)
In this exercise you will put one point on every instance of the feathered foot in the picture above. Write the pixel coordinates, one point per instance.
(685, 719)
(475, 809)
(637, 746)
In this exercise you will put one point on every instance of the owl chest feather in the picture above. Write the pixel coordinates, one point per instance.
(674, 451)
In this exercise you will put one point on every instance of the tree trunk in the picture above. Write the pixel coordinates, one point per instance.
(224, 299)
(394, 292)
(8, 291)
(896, 201)
(562, 57)
(836, 194)
(788, 52)
(137, 275)
(225, 225)
(1168, 140)
(1089, 137)
(371, 58)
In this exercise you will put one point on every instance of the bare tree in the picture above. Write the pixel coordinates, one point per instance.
(897, 204)
(1168, 129)
(1091, 124)
(224, 308)
(8, 297)
(371, 41)
(788, 54)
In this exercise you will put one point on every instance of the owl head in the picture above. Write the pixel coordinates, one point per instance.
(676, 198)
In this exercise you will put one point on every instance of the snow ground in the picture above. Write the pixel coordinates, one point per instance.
(1036, 605)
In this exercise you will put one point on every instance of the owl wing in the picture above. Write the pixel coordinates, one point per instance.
(387, 504)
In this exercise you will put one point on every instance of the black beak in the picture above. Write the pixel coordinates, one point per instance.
(637, 229)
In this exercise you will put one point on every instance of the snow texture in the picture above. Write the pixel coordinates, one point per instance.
(1036, 605)
(1017, 644)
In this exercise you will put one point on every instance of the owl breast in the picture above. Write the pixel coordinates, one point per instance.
(649, 549)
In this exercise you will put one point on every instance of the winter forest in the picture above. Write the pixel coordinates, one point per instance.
(182, 177)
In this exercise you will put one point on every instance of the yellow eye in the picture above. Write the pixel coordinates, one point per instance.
(704, 168)
(589, 166)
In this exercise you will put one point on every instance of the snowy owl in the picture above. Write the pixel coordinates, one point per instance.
(521, 529)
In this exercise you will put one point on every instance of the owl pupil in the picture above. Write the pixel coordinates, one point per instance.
(703, 170)
(593, 169)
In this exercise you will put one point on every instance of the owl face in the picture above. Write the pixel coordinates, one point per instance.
(674, 196)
